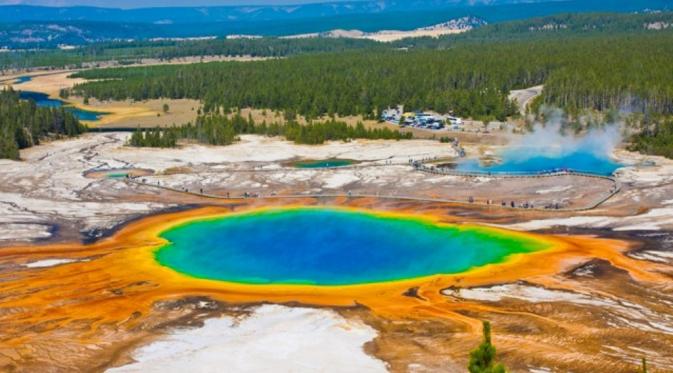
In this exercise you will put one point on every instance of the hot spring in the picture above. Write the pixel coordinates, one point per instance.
(525, 161)
(320, 246)
(324, 163)
(548, 148)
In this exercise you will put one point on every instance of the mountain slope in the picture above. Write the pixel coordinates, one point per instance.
(482, 9)
(26, 27)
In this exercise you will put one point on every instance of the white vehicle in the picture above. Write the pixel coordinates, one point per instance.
(455, 121)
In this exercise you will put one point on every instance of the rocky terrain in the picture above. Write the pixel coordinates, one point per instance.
(73, 268)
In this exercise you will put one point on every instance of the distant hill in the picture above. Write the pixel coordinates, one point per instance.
(491, 11)
(555, 27)
(227, 14)
(446, 35)
(454, 26)
(24, 27)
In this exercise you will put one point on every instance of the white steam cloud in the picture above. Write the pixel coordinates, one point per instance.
(553, 139)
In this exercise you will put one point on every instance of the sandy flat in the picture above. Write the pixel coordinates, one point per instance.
(393, 35)
(50, 83)
(384, 36)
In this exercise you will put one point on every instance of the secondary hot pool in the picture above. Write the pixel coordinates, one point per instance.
(523, 161)
(324, 163)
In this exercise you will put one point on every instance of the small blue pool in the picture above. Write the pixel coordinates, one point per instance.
(324, 163)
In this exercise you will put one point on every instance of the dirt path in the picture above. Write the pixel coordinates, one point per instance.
(525, 96)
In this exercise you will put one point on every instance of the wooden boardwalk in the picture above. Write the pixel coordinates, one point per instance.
(615, 189)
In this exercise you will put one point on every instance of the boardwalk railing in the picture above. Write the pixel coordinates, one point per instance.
(139, 180)
(615, 189)
(418, 166)
(421, 166)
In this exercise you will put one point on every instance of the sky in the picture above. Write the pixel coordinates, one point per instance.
(156, 3)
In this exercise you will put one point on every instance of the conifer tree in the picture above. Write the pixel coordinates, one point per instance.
(482, 359)
(23, 124)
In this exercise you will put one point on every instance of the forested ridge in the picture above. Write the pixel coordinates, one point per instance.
(346, 84)
(604, 62)
(255, 47)
(551, 27)
(127, 52)
(600, 72)
(561, 25)
(23, 124)
(218, 129)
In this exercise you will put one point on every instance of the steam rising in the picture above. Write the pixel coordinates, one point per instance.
(552, 140)
(551, 148)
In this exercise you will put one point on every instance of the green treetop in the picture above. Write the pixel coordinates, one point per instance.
(482, 359)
